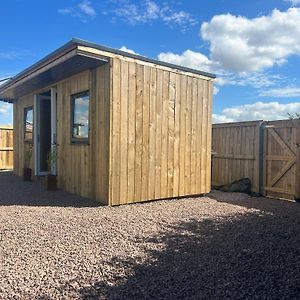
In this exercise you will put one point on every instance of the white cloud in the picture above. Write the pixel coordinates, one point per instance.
(216, 90)
(84, 11)
(87, 8)
(147, 11)
(12, 54)
(9, 55)
(257, 111)
(188, 58)
(285, 92)
(293, 2)
(221, 119)
(241, 45)
(197, 60)
(124, 48)
(5, 108)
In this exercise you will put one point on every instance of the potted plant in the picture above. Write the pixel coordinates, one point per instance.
(51, 179)
(27, 171)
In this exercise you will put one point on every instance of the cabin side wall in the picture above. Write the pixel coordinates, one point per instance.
(81, 168)
(160, 138)
(20, 146)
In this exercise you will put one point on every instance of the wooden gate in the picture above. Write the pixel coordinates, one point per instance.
(281, 159)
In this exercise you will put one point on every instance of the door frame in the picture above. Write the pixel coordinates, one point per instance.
(37, 99)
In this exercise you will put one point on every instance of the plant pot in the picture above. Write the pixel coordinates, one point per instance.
(27, 174)
(51, 183)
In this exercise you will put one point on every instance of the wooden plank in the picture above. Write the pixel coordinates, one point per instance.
(171, 133)
(194, 96)
(209, 136)
(164, 136)
(278, 157)
(183, 112)
(177, 136)
(199, 121)
(152, 133)
(204, 136)
(235, 156)
(132, 93)
(124, 132)
(116, 107)
(158, 142)
(188, 130)
(139, 133)
(256, 166)
(145, 134)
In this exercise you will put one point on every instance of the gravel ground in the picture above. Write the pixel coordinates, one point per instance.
(224, 246)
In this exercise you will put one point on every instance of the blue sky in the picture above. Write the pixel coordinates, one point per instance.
(253, 46)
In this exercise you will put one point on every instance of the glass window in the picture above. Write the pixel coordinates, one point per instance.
(28, 124)
(80, 117)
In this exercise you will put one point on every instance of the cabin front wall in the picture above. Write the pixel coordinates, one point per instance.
(81, 168)
(160, 138)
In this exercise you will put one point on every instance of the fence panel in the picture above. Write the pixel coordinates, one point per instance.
(6, 147)
(236, 153)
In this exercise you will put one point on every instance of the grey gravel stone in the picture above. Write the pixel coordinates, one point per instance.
(54, 245)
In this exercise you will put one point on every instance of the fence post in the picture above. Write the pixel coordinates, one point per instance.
(258, 153)
(263, 149)
(297, 192)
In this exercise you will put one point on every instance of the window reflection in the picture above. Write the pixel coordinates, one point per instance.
(28, 126)
(80, 126)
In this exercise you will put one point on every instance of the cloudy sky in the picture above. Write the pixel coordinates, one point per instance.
(252, 46)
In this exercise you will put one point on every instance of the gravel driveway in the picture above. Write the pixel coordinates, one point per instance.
(57, 246)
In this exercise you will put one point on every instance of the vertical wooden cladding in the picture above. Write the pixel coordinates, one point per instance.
(18, 140)
(237, 148)
(83, 168)
(150, 133)
(160, 138)
(6, 147)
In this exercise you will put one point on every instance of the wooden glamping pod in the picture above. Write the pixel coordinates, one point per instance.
(125, 128)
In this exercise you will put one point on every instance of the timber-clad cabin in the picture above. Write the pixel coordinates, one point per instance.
(125, 128)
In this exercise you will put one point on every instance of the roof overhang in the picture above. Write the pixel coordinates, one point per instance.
(70, 59)
(64, 63)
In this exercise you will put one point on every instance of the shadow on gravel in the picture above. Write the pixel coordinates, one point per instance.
(261, 203)
(253, 256)
(14, 191)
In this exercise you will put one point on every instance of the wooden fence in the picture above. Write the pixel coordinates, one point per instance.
(237, 153)
(6, 147)
(268, 153)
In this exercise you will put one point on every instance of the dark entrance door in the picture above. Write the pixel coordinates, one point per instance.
(44, 132)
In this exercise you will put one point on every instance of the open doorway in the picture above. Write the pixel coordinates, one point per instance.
(45, 130)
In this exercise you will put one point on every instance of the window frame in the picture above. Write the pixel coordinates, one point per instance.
(26, 109)
(76, 140)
